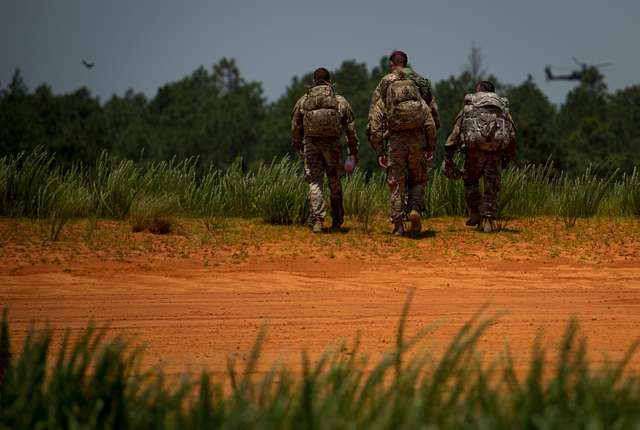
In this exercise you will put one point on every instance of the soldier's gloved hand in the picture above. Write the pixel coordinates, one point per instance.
(450, 169)
(350, 163)
(382, 161)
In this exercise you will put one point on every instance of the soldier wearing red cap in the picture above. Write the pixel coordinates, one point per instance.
(402, 130)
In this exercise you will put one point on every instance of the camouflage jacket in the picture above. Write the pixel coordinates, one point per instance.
(346, 116)
(454, 141)
(377, 124)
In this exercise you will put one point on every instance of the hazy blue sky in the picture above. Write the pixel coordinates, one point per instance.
(142, 44)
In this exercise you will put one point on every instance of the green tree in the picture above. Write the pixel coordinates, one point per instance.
(237, 126)
(276, 140)
(128, 124)
(624, 120)
(82, 130)
(217, 116)
(534, 116)
(585, 134)
(19, 130)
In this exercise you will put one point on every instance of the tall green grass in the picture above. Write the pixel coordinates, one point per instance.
(581, 197)
(31, 185)
(624, 197)
(364, 197)
(96, 381)
(279, 196)
(444, 197)
(530, 191)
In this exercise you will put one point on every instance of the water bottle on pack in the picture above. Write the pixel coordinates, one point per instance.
(349, 164)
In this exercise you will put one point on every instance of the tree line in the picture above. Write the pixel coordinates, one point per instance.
(219, 116)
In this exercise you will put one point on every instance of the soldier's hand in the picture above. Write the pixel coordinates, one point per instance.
(350, 163)
(382, 161)
(450, 169)
(428, 155)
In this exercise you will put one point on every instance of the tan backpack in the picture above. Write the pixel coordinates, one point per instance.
(485, 122)
(405, 109)
(321, 115)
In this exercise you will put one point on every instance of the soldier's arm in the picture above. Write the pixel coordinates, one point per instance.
(454, 140)
(297, 129)
(430, 129)
(428, 92)
(376, 127)
(376, 97)
(510, 152)
(435, 113)
(348, 123)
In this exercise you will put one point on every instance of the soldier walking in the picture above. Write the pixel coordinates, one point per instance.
(402, 129)
(485, 132)
(317, 122)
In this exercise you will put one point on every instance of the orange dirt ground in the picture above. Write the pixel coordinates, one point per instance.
(196, 298)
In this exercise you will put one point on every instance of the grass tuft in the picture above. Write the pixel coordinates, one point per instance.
(156, 214)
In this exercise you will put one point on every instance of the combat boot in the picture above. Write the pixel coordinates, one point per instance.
(488, 224)
(474, 219)
(398, 228)
(317, 227)
(416, 224)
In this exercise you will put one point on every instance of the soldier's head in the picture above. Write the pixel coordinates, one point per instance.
(321, 76)
(486, 87)
(398, 60)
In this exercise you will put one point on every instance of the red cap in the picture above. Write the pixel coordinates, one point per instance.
(401, 53)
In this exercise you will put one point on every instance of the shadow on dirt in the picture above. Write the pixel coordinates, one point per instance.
(502, 230)
(425, 234)
(341, 230)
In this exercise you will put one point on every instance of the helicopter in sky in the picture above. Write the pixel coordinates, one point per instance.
(587, 73)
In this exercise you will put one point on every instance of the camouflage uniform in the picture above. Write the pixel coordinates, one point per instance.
(322, 155)
(405, 151)
(425, 90)
(481, 164)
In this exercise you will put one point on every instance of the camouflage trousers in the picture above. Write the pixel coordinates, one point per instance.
(488, 166)
(320, 157)
(406, 172)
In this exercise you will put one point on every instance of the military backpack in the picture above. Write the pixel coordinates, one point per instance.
(405, 109)
(321, 115)
(485, 121)
(423, 84)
